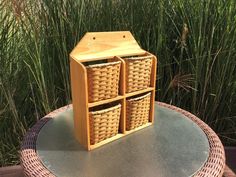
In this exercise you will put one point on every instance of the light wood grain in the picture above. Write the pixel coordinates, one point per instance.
(139, 92)
(80, 102)
(153, 84)
(119, 135)
(90, 105)
(111, 46)
(98, 45)
(122, 91)
(138, 128)
(122, 87)
(123, 116)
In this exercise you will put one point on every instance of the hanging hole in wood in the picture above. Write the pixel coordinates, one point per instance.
(124, 36)
(94, 38)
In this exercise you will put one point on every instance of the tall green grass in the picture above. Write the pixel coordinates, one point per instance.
(194, 41)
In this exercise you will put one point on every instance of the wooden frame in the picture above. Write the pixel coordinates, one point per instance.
(98, 46)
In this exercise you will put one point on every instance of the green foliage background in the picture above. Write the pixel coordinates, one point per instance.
(196, 70)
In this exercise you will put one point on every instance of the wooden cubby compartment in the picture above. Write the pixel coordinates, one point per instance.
(99, 47)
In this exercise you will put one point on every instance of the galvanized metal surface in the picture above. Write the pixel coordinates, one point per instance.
(173, 147)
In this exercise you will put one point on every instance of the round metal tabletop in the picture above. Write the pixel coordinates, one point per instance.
(178, 144)
(173, 146)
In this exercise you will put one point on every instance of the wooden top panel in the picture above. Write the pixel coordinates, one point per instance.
(98, 45)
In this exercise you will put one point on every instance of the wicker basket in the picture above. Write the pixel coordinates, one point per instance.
(104, 123)
(103, 81)
(137, 112)
(138, 73)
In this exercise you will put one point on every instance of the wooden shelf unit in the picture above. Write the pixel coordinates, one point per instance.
(99, 46)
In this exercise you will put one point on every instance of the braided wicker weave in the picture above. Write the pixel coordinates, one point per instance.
(214, 167)
(137, 112)
(104, 123)
(216, 162)
(138, 73)
(103, 81)
(228, 172)
(29, 159)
